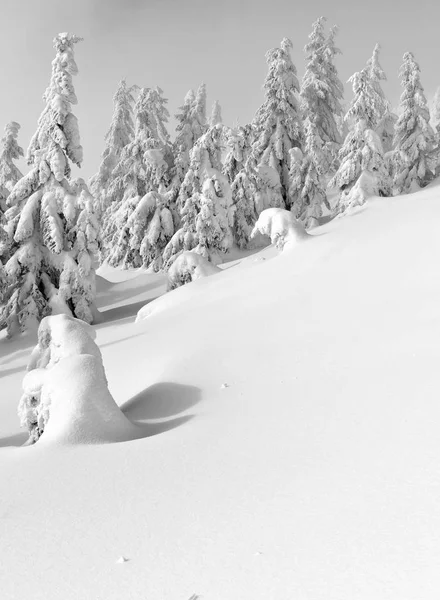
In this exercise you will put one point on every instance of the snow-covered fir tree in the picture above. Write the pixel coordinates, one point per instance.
(435, 111)
(216, 115)
(362, 172)
(415, 155)
(198, 112)
(140, 225)
(321, 94)
(120, 134)
(245, 215)
(435, 122)
(191, 124)
(386, 119)
(207, 214)
(239, 144)
(277, 126)
(159, 117)
(10, 151)
(307, 193)
(48, 269)
(145, 226)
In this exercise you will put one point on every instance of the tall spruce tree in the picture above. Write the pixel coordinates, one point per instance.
(435, 112)
(362, 172)
(120, 134)
(386, 119)
(216, 115)
(415, 154)
(321, 94)
(239, 144)
(47, 268)
(208, 211)
(141, 224)
(191, 124)
(277, 126)
(10, 151)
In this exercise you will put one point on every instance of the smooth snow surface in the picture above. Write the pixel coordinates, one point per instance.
(312, 475)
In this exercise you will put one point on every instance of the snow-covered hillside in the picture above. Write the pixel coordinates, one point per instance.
(290, 406)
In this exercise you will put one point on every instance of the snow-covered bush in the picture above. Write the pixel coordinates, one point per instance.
(280, 226)
(65, 392)
(188, 267)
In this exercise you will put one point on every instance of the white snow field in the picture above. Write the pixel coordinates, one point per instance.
(290, 409)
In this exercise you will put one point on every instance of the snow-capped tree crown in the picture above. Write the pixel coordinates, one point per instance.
(119, 134)
(367, 104)
(57, 135)
(321, 89)
(435, 110)
(415, 154)
(9, 152)
(216, 114)
(281, 86)
(121, 128)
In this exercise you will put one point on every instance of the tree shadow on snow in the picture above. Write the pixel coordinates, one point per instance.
(151, 429)
(121, 312)
(161, 401)
(11, 371)
(13, 440)
(127, 291)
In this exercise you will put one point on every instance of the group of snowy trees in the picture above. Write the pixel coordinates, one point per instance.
(154, 199)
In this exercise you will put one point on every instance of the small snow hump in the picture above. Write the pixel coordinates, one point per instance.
(65, 393)
(189, 266)
(121, 560)
(281, 226)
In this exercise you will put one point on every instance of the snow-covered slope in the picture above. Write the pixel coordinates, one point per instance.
(290, 406)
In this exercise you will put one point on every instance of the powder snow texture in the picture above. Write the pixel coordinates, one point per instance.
(314, 475)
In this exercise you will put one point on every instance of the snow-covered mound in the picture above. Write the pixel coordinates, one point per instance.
(189, 266)
(292, 409)
(280, 226)
(66, 398)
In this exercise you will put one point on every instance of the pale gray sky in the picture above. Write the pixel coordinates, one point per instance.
(177, 44)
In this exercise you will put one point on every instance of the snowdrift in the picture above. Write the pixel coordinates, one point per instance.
(293, 410)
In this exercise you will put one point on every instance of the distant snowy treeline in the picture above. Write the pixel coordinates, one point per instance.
(154, 199)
